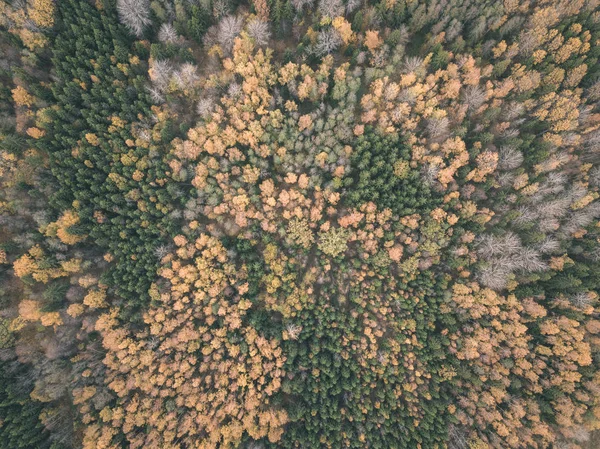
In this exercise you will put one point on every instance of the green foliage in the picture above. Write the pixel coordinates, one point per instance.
(6, 336)
(84, 106)
(373, 177)
(198, 22)
(341, 397)
(20, 427)
(472, 305)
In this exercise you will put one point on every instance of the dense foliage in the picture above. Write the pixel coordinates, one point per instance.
(299, 224)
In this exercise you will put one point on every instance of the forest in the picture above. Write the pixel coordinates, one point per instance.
(299, 224)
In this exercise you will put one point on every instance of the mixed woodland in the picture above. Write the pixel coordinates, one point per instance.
(299, 224)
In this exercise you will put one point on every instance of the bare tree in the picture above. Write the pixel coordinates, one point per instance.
(331, 8)
(593, 92)
(187, 75)
(505, 255)
(438, 127)
(234, 90)
(510, 158)
(555, 208)
(528, 259)
(581, 300)
(156, 95)
(528, 41)
(135, 15)
(221, 8)
(259, 31)
(160, 74)
(412, 64)
(510, 133)
(161, 251)
(351, 6)
(429, 173)
(457, 438)
(205, 107)
(548, 245)
(527, 214)
(167, 33)
(514, 110)
(591, 145)
(453, 30)
(577, 192)
(474, 97)
(548, 225)
(494, 277)
(293, 331)
(327, 41)
(299, 4)
(490, 246)
(581, 219)
(595, 176)
(255, 445)
(229, 29)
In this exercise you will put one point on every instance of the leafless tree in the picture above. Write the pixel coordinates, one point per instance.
(453, 30)
(553, 184)
(229, 29)
(412, 64)
(514, 110)
(351, 6)
(255, 445)
(548, 225)
(490, 246)
(554, 208)
(327, 41)
(576, 192)
(187, 75)
(156, 95)
(581, 219)
(458, 438)
(429, 173)
(438, 127)
(528, 41)
(505, 255)
(494, 277)
(548, 245)
(506, 179)
(161, 251)
(581, 300)
(234, 90)
(510, 158)
(221, 8)
(331, 8)
(161, 71)
(581, 434)
(512, 24)
(528, 259)
(595, 176)
(259, 31)
(474, 97)
(293, 331)
(593, 92)
(477, 28)
(205, 107)
(527, 214)
(135, 15)
(591, 145)
(299, 4)
(167, 33)
(407, 96)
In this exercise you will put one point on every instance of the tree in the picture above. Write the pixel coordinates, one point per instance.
(135, 15)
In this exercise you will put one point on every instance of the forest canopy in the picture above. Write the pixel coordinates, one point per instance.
(286, 224)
